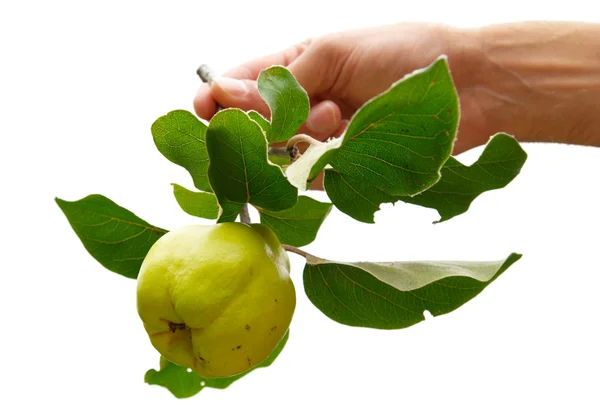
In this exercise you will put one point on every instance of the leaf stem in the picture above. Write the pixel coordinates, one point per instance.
(295, 250)
(302, 138)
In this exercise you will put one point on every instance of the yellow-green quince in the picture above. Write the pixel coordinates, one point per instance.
(217, 299)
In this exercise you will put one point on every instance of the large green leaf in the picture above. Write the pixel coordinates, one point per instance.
(195, 203)
(353, 196)
(184, 384)
(297, 226)
(287, 100)
(180, 137)
(114, 236)
(395, 295)
(399, 141)
(498, 165)
(239, 171)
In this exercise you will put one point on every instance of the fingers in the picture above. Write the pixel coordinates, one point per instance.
(229, 93)
(323, 121)
(251, 69)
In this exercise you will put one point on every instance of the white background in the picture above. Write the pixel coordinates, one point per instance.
(80, 85)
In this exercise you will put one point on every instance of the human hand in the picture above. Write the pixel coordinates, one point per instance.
(340, 72)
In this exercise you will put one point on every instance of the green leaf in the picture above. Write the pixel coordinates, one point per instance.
(114, 236)
(239, 171)
(197, 204)
(399, 141)
(353, 196)
(184, 384)
(311, 163)
(395, 145)
(498, 165)
(180, 137)
(395, 295)
(287, 100)
(297, 226)
(260, 120)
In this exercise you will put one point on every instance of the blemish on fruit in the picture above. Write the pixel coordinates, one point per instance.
(247, 327)
(238, 347)
(275, 299)
(249, 361)
(273, 328)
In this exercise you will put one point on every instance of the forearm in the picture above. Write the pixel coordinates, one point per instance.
(539, 81)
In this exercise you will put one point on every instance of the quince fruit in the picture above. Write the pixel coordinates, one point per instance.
(217, 299)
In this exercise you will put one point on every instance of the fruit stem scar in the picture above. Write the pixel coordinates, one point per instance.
(173, 327)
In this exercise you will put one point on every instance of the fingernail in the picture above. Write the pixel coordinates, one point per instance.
(323, 119)
(233, 87)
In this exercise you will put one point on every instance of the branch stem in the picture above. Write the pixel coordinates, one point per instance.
(245, 215)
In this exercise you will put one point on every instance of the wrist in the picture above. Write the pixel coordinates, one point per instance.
(539, 81)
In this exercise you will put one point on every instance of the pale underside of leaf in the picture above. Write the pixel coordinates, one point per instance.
(311, 163)
(395, 295)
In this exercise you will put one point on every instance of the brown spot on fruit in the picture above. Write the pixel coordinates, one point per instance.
(247, 327)
(238, 347)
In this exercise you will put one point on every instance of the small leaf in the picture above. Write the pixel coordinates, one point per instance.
(395, 295)
(180, 137)
(297, 226)
(260, 120)
(311, 163)
(114, 236)
(184, 384)
(197, 204)
(239, 171)
(399, 141)
(498, 165)
(287, 100)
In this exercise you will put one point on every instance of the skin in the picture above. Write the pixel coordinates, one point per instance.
(217, 299)
(539, 81)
